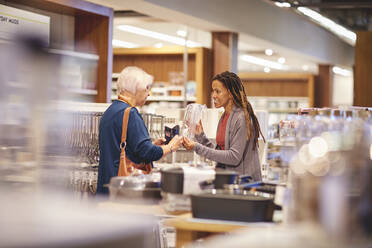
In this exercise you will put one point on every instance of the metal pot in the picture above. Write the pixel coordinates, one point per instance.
(141, 188)
(233, 205)
(172, 179)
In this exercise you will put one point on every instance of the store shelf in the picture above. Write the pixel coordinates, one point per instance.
(83, 91)
(88, 56)
(170, 98)
(164, 98)
(283, 111)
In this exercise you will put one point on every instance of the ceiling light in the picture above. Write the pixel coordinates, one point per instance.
(340, 71)
(305, 67)
(156, 35)
(267, 70)
(158, 45)
(269, 52)
(283, 4)
(263, 62)
(120, 43)
(181, 33)
(329, 24)
(281, 60)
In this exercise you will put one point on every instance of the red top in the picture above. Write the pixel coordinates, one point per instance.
(221, 132)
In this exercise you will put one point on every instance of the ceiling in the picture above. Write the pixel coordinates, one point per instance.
(355, 15)
(202, 37)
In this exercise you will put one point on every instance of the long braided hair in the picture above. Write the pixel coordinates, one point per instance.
(235, 86)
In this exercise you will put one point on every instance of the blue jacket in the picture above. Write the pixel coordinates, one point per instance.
(139, 147)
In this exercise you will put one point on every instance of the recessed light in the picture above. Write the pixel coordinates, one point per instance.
(329, 24)
(281, 60)
(305, 67)
(340, 71)
(158, 45)
(181, 33)
(160, 36)
(120, 43)
(263, 62)
(283, 4)
(267, 69)
(269, 52)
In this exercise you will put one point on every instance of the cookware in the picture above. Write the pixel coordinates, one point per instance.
(233, 205)
(172, 179)
(136, 188)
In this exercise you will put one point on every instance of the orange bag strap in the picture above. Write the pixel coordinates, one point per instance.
(122, 164)
(125, 126)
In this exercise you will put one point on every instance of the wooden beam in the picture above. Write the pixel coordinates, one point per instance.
(323, 87)
(224, 49)
(363, 70)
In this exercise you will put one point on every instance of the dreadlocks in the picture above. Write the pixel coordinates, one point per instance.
(235, 86)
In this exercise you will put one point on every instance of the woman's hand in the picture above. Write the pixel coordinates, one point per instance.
(159, 142)
(188, 144)
(199, 128)
(175, 143)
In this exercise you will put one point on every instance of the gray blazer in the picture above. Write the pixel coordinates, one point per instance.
(239, 154)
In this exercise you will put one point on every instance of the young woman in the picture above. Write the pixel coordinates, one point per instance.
(238, 129)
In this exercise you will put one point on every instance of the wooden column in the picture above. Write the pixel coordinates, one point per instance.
(363, 70)
(225, 52)
(323, 87)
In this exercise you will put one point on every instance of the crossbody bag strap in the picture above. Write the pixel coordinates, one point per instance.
(123, 170)
(125, 126)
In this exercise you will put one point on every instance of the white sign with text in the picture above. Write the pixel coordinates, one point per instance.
(16, 21)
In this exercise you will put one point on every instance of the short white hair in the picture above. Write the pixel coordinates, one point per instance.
(132, 78)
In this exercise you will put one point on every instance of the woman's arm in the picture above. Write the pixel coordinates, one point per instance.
(234, 154)
(203, 139)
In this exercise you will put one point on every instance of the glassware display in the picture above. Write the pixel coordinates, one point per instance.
(193, 116)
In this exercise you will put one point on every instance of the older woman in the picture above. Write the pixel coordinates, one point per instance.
(238, 129)
(133, 86)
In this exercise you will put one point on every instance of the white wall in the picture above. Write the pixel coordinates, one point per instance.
(343, 90)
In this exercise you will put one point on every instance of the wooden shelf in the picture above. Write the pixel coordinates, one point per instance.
(279, 85)
(74, 54)
(164, 98)
(283, 111)
(170, 98)
(160, 61)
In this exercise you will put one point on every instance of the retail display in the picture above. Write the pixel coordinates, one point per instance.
(232, 205)
(139, 189)
(193, 116)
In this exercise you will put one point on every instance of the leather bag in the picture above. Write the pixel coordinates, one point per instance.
(126, 166)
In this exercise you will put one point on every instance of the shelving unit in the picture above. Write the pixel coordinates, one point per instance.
(279, 94)
(89, 42)
(282, 85)
(74, 54)
(160, 61)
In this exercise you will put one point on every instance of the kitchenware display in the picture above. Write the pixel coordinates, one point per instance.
(154, 124)
(172, 179)
(142, 188)
(233, 205)
(193, 115)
